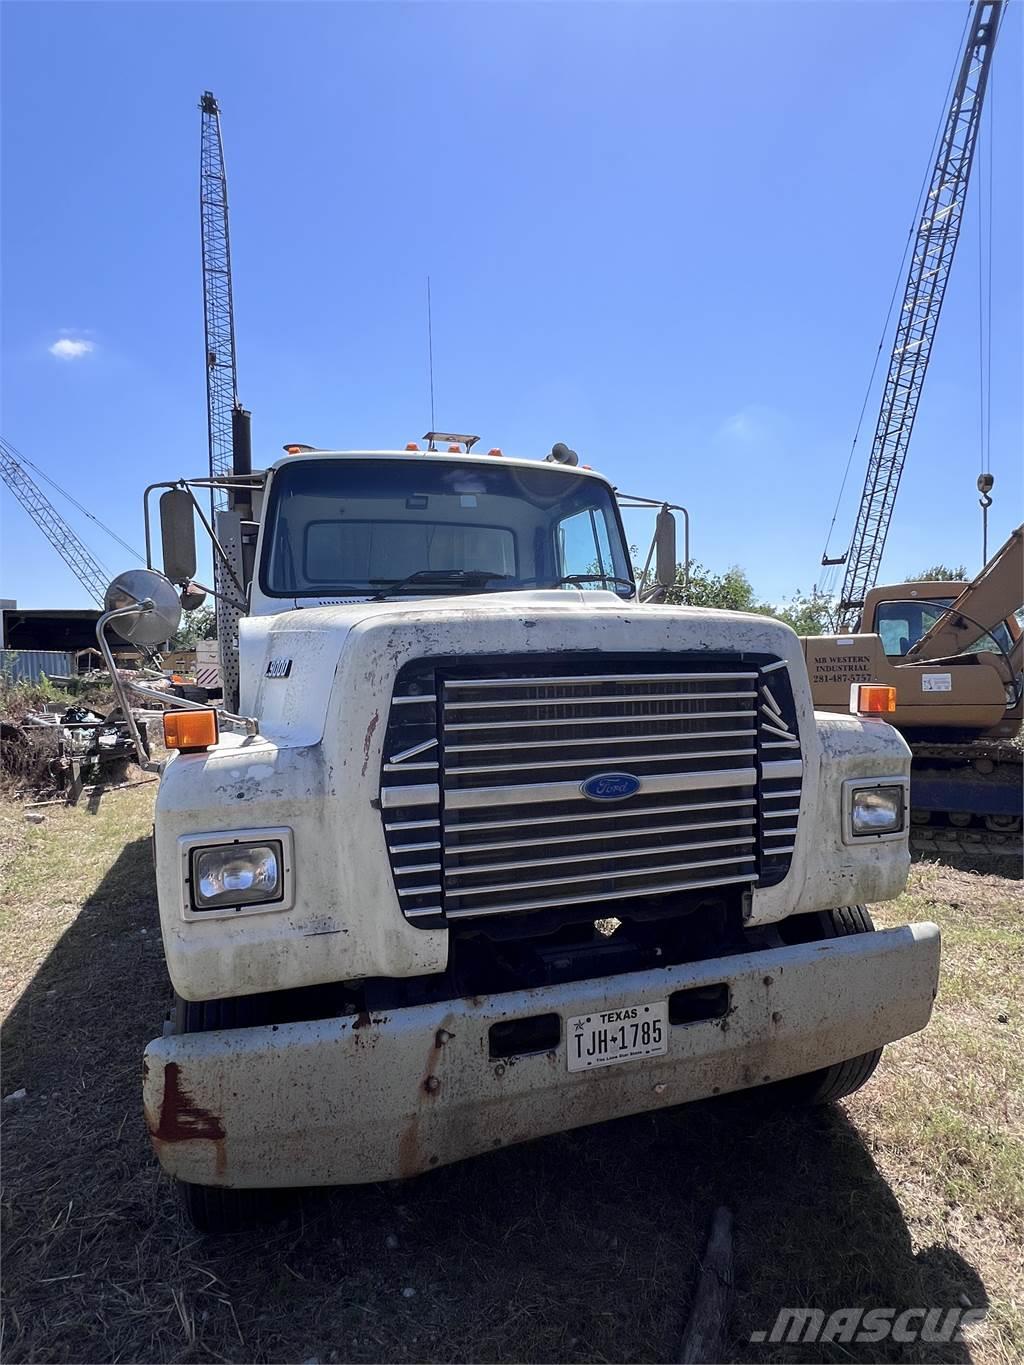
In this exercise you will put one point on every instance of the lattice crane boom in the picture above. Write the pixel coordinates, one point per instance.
(931, 258)
(92, 576)
(218, 303)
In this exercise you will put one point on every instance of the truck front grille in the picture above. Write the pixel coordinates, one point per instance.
(483, 789)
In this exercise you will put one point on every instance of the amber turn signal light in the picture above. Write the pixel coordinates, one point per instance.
(190, 729)
(872, 699)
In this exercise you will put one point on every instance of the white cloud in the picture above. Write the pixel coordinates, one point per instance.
(741, 426)
(71, 348)
(754, 424)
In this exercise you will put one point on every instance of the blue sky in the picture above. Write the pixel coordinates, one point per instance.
(663, 233)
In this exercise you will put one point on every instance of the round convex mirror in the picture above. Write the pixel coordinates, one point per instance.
(133, 587)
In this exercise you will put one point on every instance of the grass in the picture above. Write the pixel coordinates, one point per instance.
(580, 1247)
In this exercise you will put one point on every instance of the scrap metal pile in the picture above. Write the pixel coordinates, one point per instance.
(61, 748)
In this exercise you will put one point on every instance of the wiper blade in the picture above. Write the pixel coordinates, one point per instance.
(595, 578)
(458, 577)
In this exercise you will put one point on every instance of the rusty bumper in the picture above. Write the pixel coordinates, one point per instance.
(344, 1101)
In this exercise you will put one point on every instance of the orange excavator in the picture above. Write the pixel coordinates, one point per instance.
(953, 653)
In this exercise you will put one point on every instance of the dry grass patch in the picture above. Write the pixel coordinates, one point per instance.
(945, 1116)
(583, 1247)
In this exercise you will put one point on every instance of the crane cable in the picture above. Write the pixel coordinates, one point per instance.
(985, 239)
(828, 578)
(29, 464)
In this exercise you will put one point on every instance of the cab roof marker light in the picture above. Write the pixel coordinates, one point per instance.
(411, 445)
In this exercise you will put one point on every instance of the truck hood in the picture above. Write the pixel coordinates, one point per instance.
(289, 661)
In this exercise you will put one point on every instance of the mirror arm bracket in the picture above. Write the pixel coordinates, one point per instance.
(120, 691)
(121, 688)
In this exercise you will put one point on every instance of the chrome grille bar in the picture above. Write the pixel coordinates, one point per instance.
(604, 762)
(590, 838)
(600, 720)
(597, 701)
(662, 889)
(542, 821)
(673, 738)
(529, 792)
(429, 794)
(568, 680)
(477, 868)
(589, 876)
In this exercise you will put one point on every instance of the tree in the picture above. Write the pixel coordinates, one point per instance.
(200, 624)
(731, 591)
(808, 613)
(940, 573)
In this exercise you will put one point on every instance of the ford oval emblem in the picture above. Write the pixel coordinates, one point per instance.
(610, 786)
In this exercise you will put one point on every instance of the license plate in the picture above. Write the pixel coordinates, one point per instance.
(610, 1036)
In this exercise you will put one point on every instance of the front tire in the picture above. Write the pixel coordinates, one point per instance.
(829, 1083)
(216, 1209)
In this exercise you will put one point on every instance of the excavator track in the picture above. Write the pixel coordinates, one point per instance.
(965, 799)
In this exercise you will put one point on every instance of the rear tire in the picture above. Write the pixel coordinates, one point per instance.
(829, 1083)
(215, 1208)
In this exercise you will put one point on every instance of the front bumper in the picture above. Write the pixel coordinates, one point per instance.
(355, 1099)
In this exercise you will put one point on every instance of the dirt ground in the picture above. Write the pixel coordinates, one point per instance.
(583, 1247)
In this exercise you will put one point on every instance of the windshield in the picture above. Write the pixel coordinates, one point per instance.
(902, 623)
(351, 525)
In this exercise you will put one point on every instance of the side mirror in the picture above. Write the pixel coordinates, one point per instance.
(178, 535)
(665, 562)
(159, 611)
(192, 597)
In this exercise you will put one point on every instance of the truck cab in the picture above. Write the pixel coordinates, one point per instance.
(504, 849)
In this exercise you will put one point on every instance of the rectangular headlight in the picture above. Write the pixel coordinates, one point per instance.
(237, 874)
(876, 810)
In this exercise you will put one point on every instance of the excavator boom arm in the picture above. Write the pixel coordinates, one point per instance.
(992, 597)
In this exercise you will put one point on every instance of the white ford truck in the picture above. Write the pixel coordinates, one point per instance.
(499, 848)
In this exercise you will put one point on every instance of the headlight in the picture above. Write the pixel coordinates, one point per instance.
(236, 874)
(876, 810)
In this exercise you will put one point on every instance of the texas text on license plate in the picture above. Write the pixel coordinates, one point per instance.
(623, 1035)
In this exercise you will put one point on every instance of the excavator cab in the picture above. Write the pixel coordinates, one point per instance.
(902, 614)
(953, 653)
